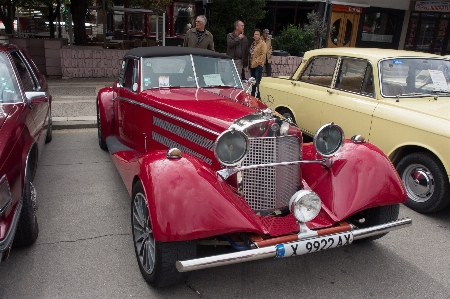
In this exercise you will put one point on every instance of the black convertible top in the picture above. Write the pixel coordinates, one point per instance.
(172, 51)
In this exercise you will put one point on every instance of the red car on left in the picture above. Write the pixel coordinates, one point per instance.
(25, 125)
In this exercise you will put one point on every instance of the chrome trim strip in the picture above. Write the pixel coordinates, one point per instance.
(184, 133)
(169, 115)
(227, 172)
(7, 241)
(271, 251)
(170, 144)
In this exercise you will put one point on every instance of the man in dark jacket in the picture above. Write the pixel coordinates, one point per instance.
(237, 46)
(199, 37)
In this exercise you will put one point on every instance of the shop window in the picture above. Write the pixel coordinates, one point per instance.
(379, 27)
(183, 17)
(135, 22)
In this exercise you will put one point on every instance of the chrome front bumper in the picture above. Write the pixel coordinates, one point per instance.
(292, 248)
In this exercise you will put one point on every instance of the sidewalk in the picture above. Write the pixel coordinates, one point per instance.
(74, 101)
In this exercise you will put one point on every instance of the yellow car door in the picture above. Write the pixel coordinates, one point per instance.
(352, 101)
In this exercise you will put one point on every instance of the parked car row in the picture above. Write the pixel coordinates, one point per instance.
(206, 164)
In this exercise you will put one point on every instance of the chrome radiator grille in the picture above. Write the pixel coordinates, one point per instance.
(271, 187)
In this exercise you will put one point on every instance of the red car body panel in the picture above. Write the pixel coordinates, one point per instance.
(23, 128)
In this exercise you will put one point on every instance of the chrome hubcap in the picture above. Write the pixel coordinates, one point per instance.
(143, 234)
(419, 182)
(33, 197)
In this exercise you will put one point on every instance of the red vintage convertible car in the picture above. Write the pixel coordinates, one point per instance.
(207, 164)
(25, 125)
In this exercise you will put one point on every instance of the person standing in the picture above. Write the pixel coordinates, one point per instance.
(237, 46)
(199, 37)
(258, 54)
(268, 42)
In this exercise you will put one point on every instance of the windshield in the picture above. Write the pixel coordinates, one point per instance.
(188, 71)
(414, 76)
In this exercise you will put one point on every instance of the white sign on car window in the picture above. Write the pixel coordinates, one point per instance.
(439, 81)
(213, 79)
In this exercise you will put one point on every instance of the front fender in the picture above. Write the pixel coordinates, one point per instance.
(106, 110)
(360, 177)
(187, 200)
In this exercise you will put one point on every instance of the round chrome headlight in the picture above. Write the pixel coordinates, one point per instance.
(231, 147)
(305, 205)
(329, 139)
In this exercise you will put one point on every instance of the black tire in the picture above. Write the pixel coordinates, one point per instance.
(287, 114)
(27, 228)
(375, 216)
(49, 135)
(159, 271)
(101, 141)
(426, 182)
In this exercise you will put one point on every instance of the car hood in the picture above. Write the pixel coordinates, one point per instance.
(212, 108)
(428, 105)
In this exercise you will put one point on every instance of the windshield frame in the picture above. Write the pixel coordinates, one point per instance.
(185, 73)
(411, 94)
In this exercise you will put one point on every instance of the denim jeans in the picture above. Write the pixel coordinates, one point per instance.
(257, 74)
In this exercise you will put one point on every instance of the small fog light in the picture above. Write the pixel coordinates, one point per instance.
(305, 205)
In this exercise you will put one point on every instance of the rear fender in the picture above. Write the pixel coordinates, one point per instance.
(106, 110)
(361, 177)
(187, 200)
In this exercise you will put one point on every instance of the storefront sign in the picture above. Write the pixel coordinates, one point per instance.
(345, 8)
(432, 6)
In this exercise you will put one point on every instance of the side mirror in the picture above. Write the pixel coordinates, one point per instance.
(248, 84)
(35, 97)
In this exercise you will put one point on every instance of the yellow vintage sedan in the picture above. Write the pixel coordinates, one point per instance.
(398, 100)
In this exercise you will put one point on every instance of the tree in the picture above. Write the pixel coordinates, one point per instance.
(8, 11)
(295, 40)
(248, 11)
(78, 9)
(52, 14)
(315, 25)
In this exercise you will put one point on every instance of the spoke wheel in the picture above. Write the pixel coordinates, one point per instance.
(143, 234)
(156, 259)
(101, 141)
(27, 228)
(426, 182)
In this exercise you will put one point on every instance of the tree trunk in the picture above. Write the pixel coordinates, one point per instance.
(51, 19)
(7, 12)
(78, 9)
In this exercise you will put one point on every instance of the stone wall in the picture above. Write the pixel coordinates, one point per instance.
(54, 58)
(90, 62)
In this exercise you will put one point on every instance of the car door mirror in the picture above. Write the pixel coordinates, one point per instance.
(135, 87)
(35, 97)
(248, 84)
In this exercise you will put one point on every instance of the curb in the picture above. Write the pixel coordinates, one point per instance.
(74, 124)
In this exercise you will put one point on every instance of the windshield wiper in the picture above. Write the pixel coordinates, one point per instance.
(412, 94)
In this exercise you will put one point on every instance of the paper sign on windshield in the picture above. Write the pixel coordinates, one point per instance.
(213, 79)
(439, 81)
(163, 81)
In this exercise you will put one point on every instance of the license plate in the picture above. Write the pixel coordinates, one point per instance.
(313, 245)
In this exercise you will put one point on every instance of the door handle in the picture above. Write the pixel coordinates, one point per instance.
(330, 91)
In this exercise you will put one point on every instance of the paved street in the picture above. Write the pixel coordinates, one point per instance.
(85, 250)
